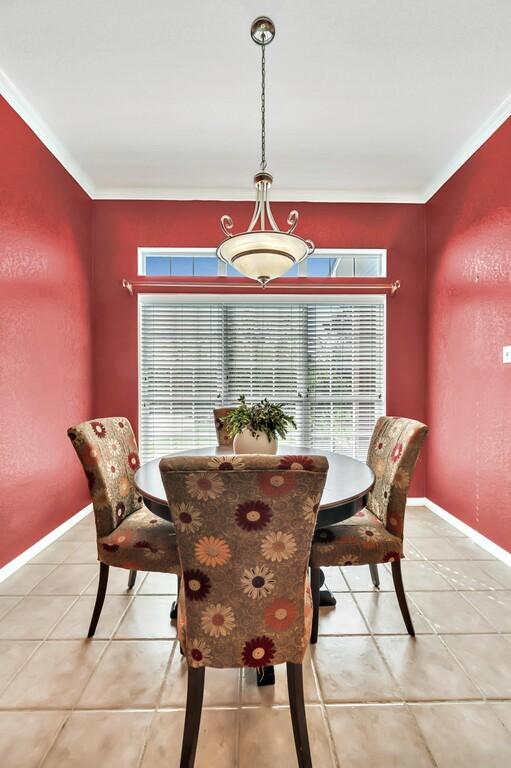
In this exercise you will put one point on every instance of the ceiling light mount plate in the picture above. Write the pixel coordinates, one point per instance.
(262, 30)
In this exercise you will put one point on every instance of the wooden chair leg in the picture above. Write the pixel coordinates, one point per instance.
(132, 579)
(298, 718)
(374, 575)
(315, 579)
(100, 598)
(194, 697)
(401, 597)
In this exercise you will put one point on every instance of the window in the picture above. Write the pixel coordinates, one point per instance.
(203, 262)
(324, 359)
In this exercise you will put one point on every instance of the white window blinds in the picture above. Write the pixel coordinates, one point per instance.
(325, 361)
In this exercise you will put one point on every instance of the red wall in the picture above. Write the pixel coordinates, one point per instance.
(45, 336)
(120, 227)
(469, 296)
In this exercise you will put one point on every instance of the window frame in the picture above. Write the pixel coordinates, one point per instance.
(216, 298)
(143, 252)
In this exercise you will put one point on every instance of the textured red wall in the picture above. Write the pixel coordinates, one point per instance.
(469, 388)
(120, 227)
(45, 336)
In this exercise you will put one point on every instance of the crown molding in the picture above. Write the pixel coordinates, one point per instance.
(487, 129)
(28, 114)
(247, 194)
(20, 104)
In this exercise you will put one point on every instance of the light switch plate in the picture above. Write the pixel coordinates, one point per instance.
(506, 354)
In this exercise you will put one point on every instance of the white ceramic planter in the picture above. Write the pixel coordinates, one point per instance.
(246, 442)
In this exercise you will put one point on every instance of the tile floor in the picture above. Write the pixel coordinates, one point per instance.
(374, 695)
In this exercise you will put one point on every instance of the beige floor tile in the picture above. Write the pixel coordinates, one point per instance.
(469, 575)
(359, 578)
(381, 611)
(424, 669)
(217, 740)
(351, 669)
(266, 738)
(334, 580)
(451, 548)
(411, 552)
(75, 624)
(129, 674)
(159, 584)
(487, 659)
(80, 534)
(7, 603)
(33, 618)
(449, 612)
(13, 654)
(117, 582)
(464, 734)
(499, 571)
(494, 606)
(419, 575)
(148, 617)
(25, 737)
(271, 695)
(386, 736)
(24, 580)
(66, 580)
(85, 552)
(54, 676)
(421, 513)
(429, 528)
(342, 619)
(56, 552)
(221, 687)
(503, 711)
(113, 739)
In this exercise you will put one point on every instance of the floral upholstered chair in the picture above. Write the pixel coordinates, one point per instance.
(244, 531)
(222, 436)
(375, 535)
(128, 534)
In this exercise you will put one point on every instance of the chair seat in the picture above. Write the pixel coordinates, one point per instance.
(142, 542)
(360, 540)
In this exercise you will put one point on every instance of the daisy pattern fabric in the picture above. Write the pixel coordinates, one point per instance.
(375, 535)
(129, 535)
(244, 529)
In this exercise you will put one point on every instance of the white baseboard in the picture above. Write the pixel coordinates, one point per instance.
(416, 501)
(483, 542)
(9, 568)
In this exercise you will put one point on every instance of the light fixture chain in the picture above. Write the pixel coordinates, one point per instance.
(263, 105)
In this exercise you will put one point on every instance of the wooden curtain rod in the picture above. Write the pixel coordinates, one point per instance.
(391, 288)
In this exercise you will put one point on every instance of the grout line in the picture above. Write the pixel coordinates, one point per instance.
(63, 723)
(331, 743)
(422, 735)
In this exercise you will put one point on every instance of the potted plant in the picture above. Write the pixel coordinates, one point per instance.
(255, 428)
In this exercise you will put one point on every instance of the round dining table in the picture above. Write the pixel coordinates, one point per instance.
(345, 493)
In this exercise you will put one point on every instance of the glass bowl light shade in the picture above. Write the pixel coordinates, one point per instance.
(263, 255)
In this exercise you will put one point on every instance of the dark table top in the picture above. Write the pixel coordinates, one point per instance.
(348, 481)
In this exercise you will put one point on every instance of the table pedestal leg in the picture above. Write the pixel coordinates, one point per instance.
(265, 676)
(325, 596)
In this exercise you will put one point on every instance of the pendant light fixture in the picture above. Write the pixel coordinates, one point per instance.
(263, 251)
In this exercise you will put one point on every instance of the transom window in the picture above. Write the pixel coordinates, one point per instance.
(326, 262)
(325, 359)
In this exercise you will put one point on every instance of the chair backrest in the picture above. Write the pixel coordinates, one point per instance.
(222, 436)
(244, 527)
(395, 446)
(108, 451)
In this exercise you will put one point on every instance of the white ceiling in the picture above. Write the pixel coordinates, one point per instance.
(367, 99)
